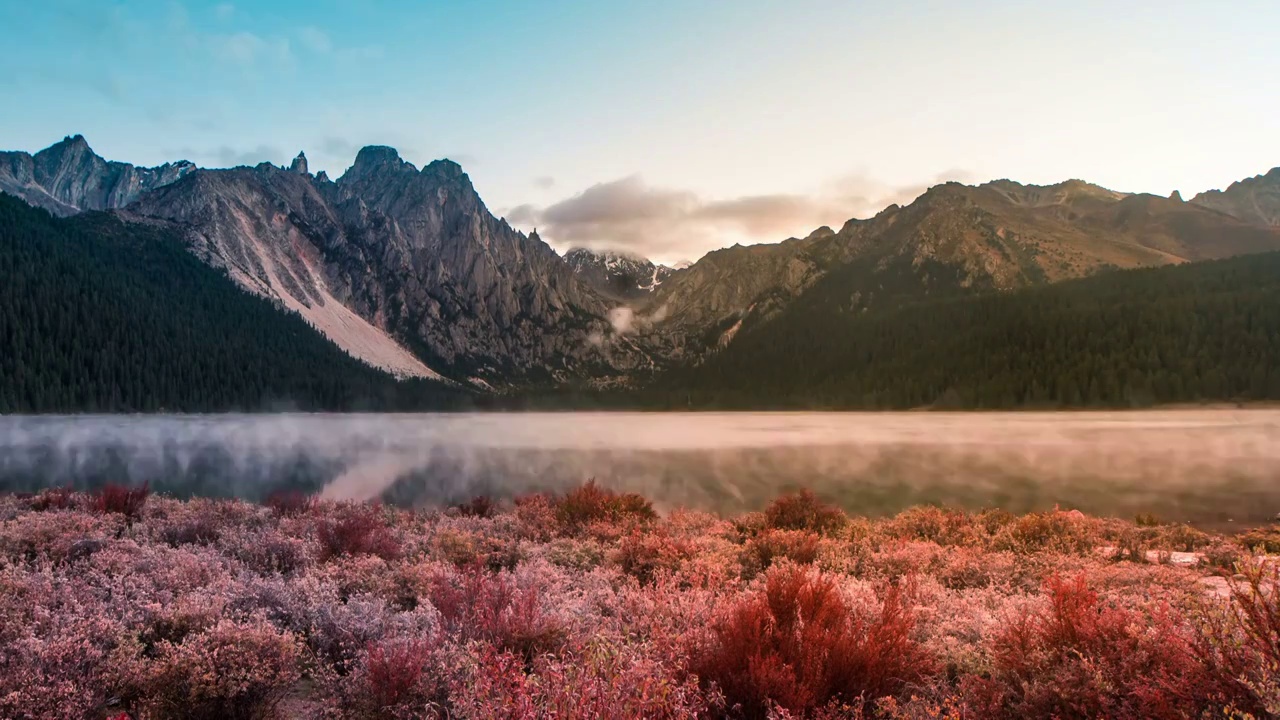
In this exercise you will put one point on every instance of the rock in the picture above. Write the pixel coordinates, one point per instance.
(1176, 196)
(299, 165)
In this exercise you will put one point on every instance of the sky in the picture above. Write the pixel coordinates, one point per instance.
(665, 127)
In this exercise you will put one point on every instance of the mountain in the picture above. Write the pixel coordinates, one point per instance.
(618, 275)
(1182, 333)
(405, 268)
(1000, 236)
(100, 315)
(68, 177)
(1254, 200)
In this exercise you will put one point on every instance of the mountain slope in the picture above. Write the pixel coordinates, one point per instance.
(68, 177)
(1194, 332)
(1254, 200)
(414, 254)
(1002, 235)
(106, 316)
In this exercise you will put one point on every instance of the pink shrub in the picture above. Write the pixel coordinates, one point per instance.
(476, 605)
(770, 546)
(605, 684)
(804, 511)
(127, 501)
(796, 644)
(643, 555)
(1081, 659)
(357, 529)
(933, 524)
(231, 671)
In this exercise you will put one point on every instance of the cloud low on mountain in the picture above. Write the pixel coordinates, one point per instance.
(669, 223)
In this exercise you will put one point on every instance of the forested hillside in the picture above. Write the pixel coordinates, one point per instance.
(101, 316)
(1196, 332)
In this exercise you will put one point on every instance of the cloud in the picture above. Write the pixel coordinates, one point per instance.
(546, 182)
(248, 50)
(315, 39)
(224, 11)
(667, 223)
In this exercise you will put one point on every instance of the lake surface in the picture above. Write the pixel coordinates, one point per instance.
(1212, 467)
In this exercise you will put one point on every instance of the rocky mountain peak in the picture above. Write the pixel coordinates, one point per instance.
(374, 158)
(69, 177)
(1254, 200)
(445, 169)
(617, 274)
(300, 164)
(1176, 196)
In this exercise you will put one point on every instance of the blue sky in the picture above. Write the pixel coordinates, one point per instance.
(669, 127)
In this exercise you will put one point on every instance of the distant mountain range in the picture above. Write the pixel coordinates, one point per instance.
(406, 269)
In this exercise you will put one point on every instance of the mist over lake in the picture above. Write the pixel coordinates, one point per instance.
(1211, 467)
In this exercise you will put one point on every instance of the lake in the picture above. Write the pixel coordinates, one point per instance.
(1217, 468)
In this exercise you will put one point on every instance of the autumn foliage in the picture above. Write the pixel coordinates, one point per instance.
(589, 604)
(796, 644)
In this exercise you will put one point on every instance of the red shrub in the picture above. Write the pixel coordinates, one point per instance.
(804, 511)
(476, 605)
(356, 529)
(289, 503)
(481, 506)
(1080, 659)
(588, 503)
(127, 501)
(398, 679)
(796, 644)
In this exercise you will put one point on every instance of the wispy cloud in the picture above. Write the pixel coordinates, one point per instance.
(630, 214)
(315, 40)
(249, 50)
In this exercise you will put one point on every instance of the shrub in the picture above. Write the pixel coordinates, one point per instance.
(480, 506)
(643, 555)
(1266, 539)
(232, 671)
(763, 550)
(198, 530)
(289, 503)
(796, 644)
(59, 498)
(476, 605)
(1147, 520)
(933, 524)
(397, 679)
(804, 511)
(126, 501)
(357, 529)
(1055, 531)
(590, 502)
(1241, 642)
(602, 683)
(1080, 659)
